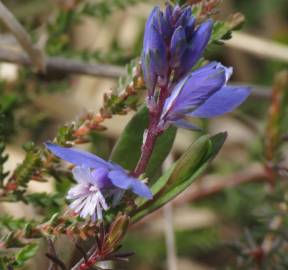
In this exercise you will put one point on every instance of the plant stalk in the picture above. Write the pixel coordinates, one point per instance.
(153, 132)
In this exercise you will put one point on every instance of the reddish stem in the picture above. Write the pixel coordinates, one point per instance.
(93, 259)
(152, 133)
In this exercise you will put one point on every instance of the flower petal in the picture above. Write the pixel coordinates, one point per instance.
(149, 73)
(154, 46)
(120, 179)
(198, 43)
(102, 201)
(183, 123)
(78, 157)
(99, 178)
(123, 181)
(170, 101)
(77, 191)
(195, 89)
(176, 12)
(168, 13)
(165, 27)
(186, 13)
(152, 38)
(93, 203)
(141, 189)
(88, 207)
(202, 83)
(177, 46)
(78, 204)
(223, 101)
(189, 27)
(82, 174)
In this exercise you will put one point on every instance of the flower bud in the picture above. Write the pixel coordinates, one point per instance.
(172, 42)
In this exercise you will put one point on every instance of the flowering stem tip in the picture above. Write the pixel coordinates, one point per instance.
(173, 44)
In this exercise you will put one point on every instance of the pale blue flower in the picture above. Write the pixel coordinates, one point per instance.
(98, 180)
(202, 94)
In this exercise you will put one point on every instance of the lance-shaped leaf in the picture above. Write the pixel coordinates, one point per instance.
(116, 232)
(128, 148)
(26, 253)
(180, 176)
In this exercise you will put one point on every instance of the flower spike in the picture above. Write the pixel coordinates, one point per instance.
(172, 42)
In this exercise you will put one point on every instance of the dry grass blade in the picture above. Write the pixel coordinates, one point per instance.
(63, 66)
(35, 54)
(258, 46)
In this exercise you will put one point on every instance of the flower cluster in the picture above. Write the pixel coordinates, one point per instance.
(98, 180)
(173, 44)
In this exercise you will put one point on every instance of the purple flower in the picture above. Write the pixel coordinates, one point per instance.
(88, 196)
(98, 180)
(154, 56)
(203, 94)
(172, 42)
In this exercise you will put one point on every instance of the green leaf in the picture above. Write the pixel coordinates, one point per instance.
(128, 148)
(26, 253)
(104, 8)
(179, 2)
(65, 134)
(11, 223)
(222, 30)
(117, 231)
(186, 170)
(7, 102)
(50, 202)
(30, 164)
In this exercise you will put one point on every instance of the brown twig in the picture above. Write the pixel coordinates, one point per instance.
(72, 66)
(82, 251)
(62, 65)
(52, 251)
(56, 261)
(261, 92)
(35, 54)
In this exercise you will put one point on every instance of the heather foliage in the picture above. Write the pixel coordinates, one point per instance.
(99, 194)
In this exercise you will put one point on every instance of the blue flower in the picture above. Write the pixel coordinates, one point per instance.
(97, 180)
(187, 42)
(88, 195)
(203, 94)
(172, 42)
(154, 56)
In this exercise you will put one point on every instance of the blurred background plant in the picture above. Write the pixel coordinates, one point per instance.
(234, 217)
